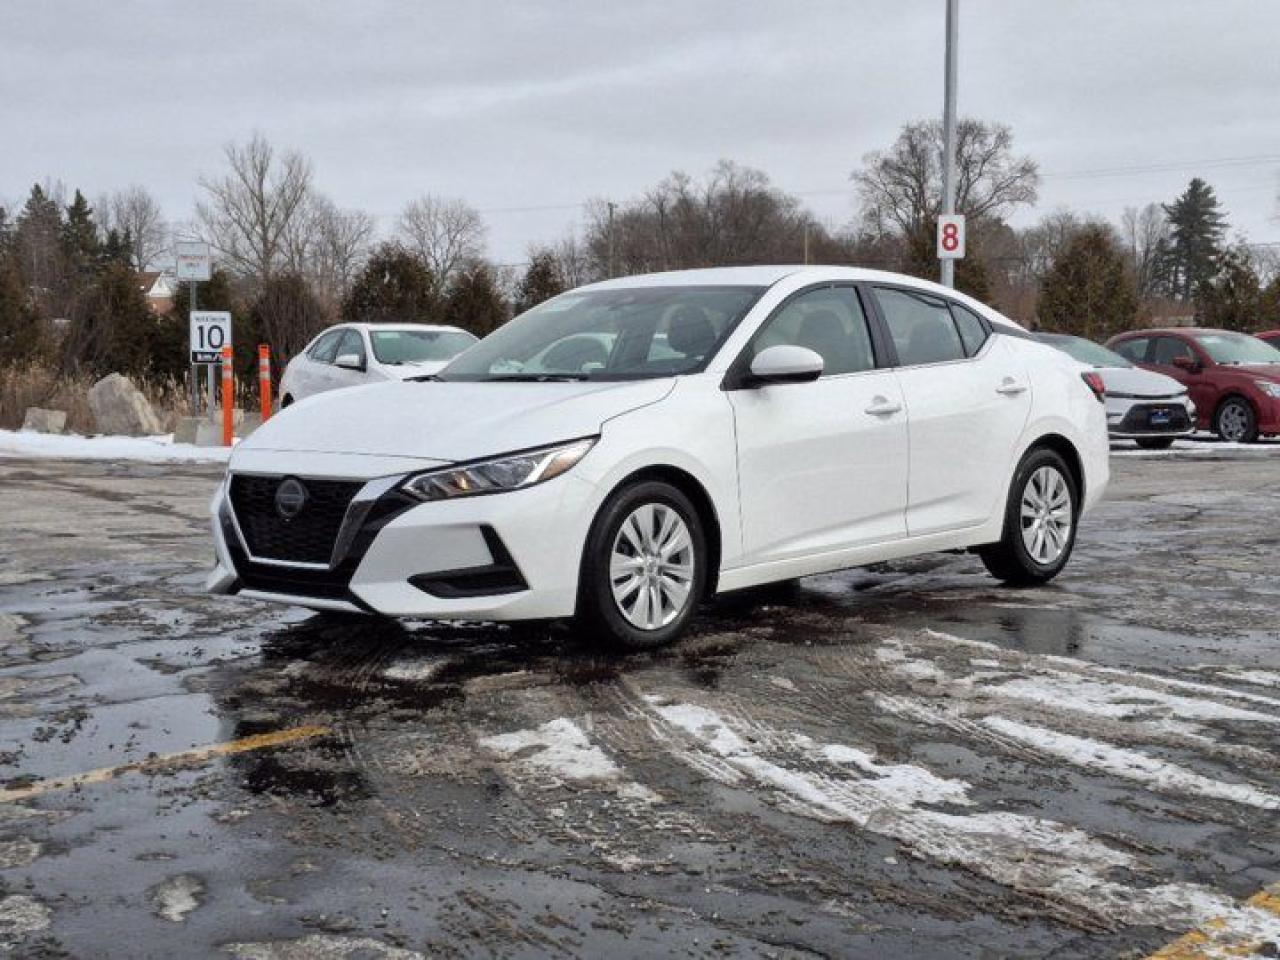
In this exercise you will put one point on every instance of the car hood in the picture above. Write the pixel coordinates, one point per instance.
(448, 421)
(1137, 382)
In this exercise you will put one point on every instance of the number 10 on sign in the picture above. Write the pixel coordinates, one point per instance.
(951, 236)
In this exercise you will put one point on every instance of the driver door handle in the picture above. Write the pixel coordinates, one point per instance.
(1010, 387)
(882, 407)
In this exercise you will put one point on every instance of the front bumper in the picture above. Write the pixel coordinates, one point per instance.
(507, 556)
(1158, 418)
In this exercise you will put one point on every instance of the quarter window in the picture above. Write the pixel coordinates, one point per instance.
(973, 332)
(921, 327)
(1135, 349)
(326, 348)
(830, 322)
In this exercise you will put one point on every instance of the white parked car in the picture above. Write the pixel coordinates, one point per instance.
(1142, 405)
(709, 430)
(356, 354)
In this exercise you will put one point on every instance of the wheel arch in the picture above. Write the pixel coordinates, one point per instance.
(1065, 449)
(692, 488)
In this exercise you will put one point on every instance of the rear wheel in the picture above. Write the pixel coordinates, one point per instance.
(644, 569)
(1235, 421)
(1039, 522)
(1155, 443)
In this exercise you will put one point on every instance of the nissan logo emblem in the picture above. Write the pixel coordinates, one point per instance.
(291, 497)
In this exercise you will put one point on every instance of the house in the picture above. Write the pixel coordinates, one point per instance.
(159, 288)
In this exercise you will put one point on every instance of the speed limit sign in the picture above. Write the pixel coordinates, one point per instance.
(210, 332)
(951, 236)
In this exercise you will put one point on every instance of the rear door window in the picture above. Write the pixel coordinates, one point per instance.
(921, 326)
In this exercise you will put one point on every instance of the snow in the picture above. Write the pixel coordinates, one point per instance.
(1198, 447)
(1060, 863)
(558, 747)
(1130, 764)
(28, 443)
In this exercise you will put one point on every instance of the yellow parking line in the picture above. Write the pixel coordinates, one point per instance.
(259, 741)
(1204, 944)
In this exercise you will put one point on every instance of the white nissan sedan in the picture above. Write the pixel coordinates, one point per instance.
(357, 354)
(629, 448)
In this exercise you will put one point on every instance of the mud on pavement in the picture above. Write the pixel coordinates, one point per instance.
(905, 761)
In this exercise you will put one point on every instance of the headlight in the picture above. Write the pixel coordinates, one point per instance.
(1271, 389)
(510, 472)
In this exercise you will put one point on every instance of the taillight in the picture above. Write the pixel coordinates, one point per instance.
(1094, 382)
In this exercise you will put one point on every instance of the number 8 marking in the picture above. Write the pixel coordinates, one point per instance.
(950, 237)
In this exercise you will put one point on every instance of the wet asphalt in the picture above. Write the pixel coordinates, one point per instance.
(1086, 769)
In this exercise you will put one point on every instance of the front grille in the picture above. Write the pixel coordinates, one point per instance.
(1139, 420)
(307, 537)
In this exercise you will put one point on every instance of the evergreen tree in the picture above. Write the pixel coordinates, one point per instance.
(1089, 292)
(394, 287)
(542, 281)
(474, 301)
(37, 242)
(1196, 229)
(113, 329)
(118, 247)
(1232, 299)
(80, 242)
(23, 337)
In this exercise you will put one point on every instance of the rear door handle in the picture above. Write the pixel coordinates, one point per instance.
(1010, 387)
(882, 407)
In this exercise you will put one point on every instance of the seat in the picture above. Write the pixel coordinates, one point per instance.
(823, 332)
(690, 332)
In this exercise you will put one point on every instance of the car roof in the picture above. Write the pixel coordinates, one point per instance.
(767, 276)
(1171, 331)
(442, 327)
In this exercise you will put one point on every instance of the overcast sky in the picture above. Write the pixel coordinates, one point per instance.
(547, 104)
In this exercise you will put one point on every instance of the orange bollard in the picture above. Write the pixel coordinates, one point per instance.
(228, 397)
(264, 380)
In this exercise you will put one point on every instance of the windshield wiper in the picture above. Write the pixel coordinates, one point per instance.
(536, 378)
(420, 378)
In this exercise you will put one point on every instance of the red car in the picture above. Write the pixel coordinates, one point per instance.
(1271, 336)
(1234, 378)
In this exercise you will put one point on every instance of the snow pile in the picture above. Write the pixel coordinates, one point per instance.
(559, 747)
(24, 444)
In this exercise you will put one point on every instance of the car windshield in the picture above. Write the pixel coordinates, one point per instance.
(416, 346)
(1237, 348)
(629, 333)
(1086, 351)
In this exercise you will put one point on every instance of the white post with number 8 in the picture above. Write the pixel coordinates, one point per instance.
(210, 332)
(951, 236)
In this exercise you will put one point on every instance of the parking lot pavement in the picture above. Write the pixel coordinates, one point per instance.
(901, 761)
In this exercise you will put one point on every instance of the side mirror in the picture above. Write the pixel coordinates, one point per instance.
(349, 361)
(1186, 363)
(785, 363)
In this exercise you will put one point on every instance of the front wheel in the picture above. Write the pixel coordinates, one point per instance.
(644, 568)
(1236, 422)
(1039, 522)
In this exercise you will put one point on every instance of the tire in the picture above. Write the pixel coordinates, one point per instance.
(1235, 421)
(1012, 560)
(1155, 443)
(625, 618)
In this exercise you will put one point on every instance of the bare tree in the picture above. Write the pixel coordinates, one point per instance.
(248, 212)
(327, 246)
(135, 214)
(446, 234)
(1145, 235)
(901, 188)
(573, 261)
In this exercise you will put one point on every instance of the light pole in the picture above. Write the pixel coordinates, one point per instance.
(948, 276)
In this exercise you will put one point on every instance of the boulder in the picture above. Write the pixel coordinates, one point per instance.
(185, 431)
(119, 408)
(45, 421)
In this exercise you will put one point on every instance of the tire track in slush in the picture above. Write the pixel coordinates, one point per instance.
(1060, 865)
